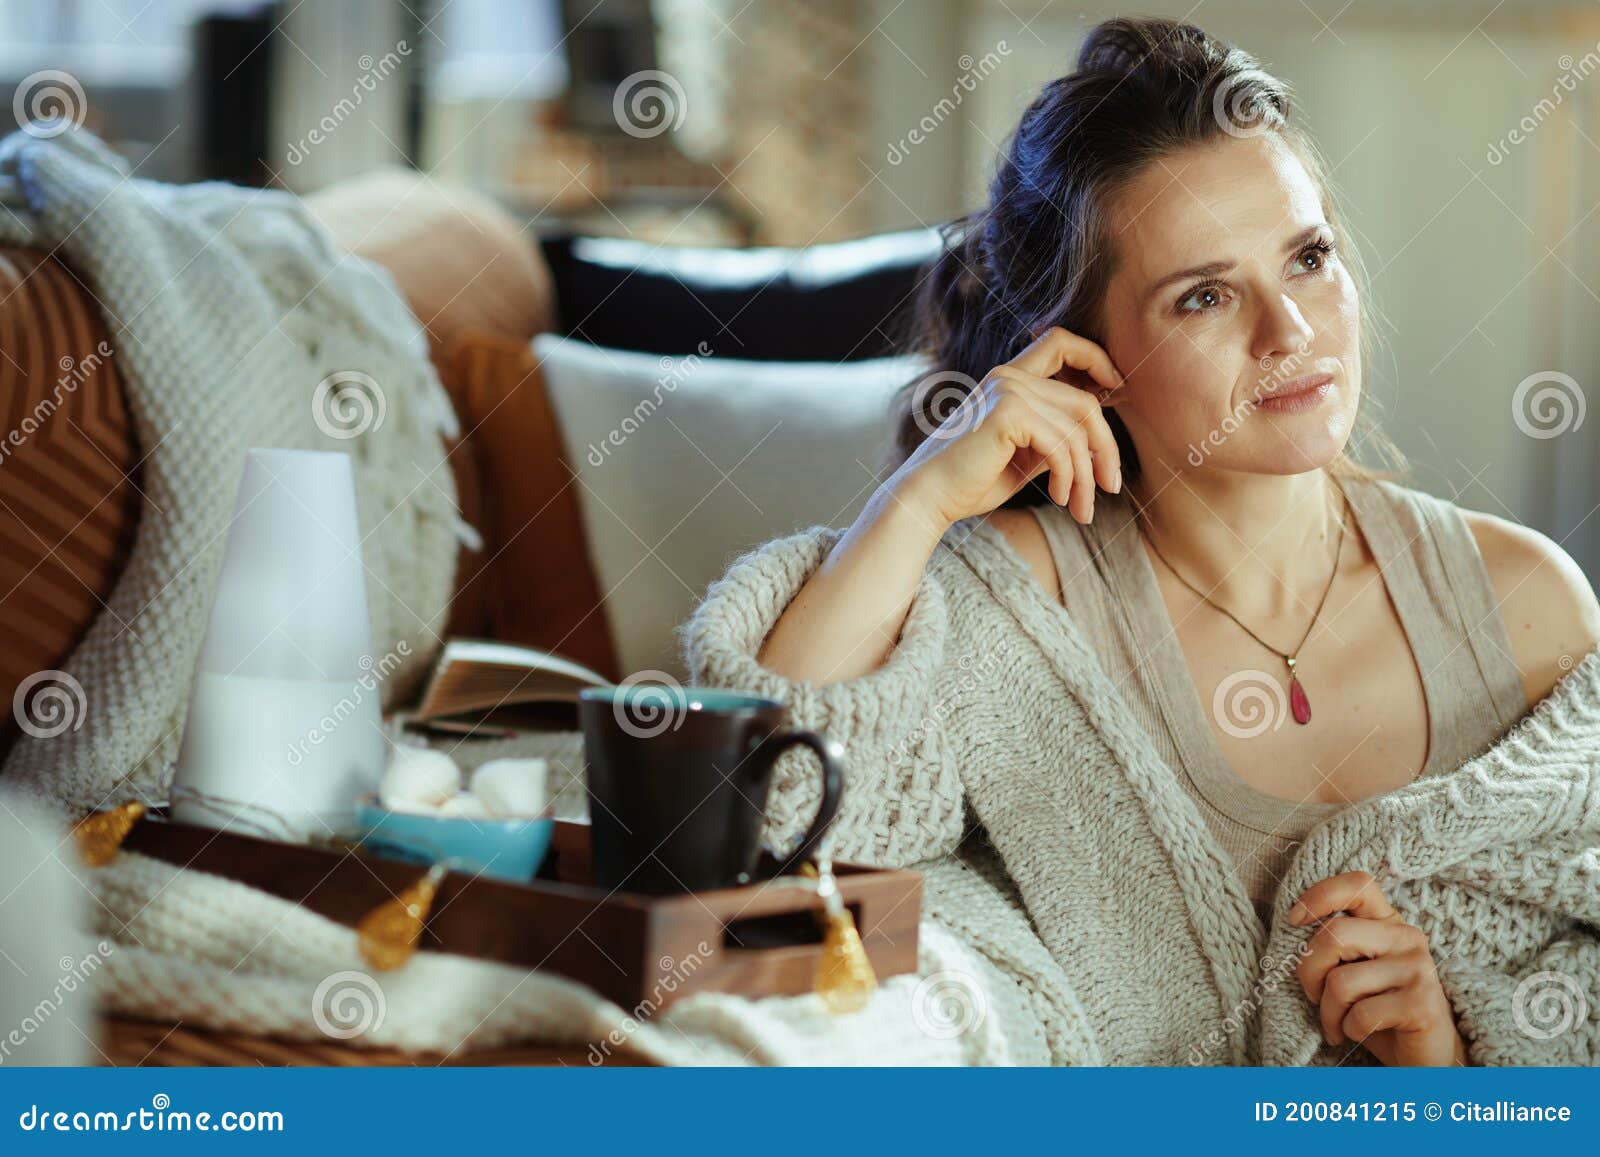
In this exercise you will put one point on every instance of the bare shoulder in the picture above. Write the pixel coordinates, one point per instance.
(1548, 606)
(1021, 529)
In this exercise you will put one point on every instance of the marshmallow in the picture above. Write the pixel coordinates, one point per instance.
(418, 779)
(462, 807)
(512, 788)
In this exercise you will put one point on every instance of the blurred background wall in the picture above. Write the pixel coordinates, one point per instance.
(1462, 137)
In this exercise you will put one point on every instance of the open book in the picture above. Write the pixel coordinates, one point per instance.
(477, 682)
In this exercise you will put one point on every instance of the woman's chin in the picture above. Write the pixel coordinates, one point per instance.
(1295, 443)
(1298, 457)
(1287, 451)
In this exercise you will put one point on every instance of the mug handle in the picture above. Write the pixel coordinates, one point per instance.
(832, 784)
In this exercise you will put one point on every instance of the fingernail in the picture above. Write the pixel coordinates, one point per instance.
(1116, 481)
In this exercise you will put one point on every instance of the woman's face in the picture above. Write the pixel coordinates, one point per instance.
(1229, 286)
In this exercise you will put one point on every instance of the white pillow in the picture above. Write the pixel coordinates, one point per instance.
(682, 463)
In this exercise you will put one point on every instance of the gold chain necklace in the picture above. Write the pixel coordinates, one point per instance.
(1299, 703)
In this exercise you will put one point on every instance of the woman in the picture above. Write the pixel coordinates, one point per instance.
(1159, 304)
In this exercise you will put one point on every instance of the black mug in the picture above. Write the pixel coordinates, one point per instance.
(678, 780)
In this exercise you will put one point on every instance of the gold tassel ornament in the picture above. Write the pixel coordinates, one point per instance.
(99, 835)
(388, 934)
(844, 977)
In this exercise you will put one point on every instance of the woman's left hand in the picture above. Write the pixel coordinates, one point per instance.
(1373, 976)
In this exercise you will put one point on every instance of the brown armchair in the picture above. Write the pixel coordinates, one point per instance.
(69, 468)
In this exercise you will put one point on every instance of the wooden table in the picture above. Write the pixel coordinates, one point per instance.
(135, 1043)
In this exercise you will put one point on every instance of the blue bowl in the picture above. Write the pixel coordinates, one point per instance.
(502, 849)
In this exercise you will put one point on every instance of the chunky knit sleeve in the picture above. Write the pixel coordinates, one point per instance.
(902, 798)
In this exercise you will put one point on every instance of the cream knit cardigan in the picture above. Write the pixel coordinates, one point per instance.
(992, 752)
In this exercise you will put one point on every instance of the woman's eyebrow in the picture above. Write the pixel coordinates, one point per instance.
(1217, 268)
(1213, 269)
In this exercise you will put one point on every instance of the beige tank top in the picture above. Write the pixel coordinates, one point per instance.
(1437, 581)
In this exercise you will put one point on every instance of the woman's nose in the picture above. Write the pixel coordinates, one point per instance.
(1283, 329)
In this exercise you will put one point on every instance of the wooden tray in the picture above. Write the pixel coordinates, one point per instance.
(630, 947)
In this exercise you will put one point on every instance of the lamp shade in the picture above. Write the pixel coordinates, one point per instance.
(284, 730)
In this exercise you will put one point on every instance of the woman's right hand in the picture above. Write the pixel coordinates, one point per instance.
(1018, 423)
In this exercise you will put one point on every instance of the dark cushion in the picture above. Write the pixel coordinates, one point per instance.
(835, 302)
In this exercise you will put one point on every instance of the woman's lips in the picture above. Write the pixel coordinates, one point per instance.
(1306, 393)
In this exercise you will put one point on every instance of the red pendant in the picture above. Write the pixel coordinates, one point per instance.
(1298, 703)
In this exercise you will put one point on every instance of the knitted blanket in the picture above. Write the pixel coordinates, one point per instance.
(991, 744)
(227, 308)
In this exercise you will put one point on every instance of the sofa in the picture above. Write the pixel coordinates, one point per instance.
(548, 345)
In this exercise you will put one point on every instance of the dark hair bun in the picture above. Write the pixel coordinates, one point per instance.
(1188, 72)
(1127, 44)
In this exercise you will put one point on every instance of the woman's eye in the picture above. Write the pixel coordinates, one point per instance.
(1202, 299)
(1315, 257)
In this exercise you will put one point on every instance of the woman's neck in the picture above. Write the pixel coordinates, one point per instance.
(1261, 545)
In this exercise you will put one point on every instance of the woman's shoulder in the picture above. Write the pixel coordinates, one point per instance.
(1549, 608)
(1547, 604)
(1021, 530)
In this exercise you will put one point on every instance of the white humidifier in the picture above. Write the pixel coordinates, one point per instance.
(284, 727)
